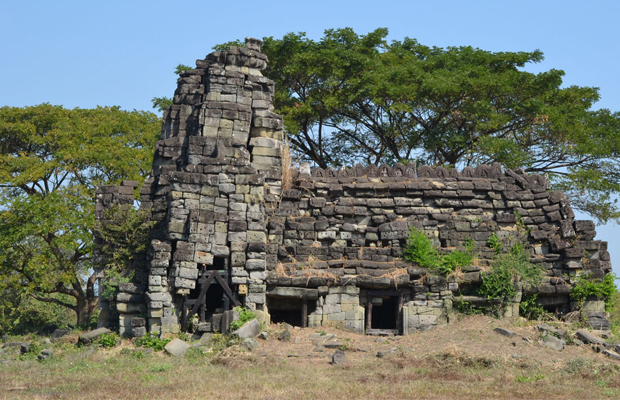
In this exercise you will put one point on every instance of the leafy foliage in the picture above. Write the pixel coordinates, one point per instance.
(495, 243)
(350, 98)
(51, 159)
(245, 315)
(121, 240)
(529, 308)
(152, 342)
(420, 250)
(161, 103)
(506, 270)
(109, 339)
(586, 287)
(21, 314)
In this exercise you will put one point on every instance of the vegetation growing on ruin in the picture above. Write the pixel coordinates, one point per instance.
(419, 249)
(500, 283)
(587, 286)
(122, 238)
(506, 270)
(245, 315)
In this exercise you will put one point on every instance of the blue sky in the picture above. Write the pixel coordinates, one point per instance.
(89, 53)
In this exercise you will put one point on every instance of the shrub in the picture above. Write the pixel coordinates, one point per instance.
(245, 315)
(495, 243)
(529, 308)
(420, 250)
(506, 270)
(21, 314)
(109, 340)
(587, 286)
(152, 342)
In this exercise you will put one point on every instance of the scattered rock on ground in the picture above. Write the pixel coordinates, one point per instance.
(561, 333)
(554, 343)
(88, 337)
(58, 333)
(45, 354)
(205, 339)
(250, 344)
(612, 354)
(339, 358)
(318, 349)
(176, 347)
(285, 336)
(505, 332)
(250, 329)
(588, 337)
(333, 344)
(264, 335)
(24, 347)
(384, 353)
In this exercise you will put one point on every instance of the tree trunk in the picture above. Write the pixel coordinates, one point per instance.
(85, 308)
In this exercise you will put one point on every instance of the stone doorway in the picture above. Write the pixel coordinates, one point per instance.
(384, 312)
(291, 311)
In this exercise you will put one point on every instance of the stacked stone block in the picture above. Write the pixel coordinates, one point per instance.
(216, 197)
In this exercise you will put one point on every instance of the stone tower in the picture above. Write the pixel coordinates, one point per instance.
(217, 164)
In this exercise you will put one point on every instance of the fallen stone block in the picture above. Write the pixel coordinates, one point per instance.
(561, 333)
(588, 337)
(250, 344)
(45, 354)
(553, 343)
(611, 354)
(89, 337)
(505, 332)
(58, 333)
(339, 358)
(250, 329)
(176, 347)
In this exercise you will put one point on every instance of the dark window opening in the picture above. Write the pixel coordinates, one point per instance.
(290, 311)
(219, 264)
(384, 316)
(384, 312)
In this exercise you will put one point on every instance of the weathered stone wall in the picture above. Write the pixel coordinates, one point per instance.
(349, 227)
(331, 246)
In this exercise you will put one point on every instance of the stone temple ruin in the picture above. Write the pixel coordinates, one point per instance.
(319, 247)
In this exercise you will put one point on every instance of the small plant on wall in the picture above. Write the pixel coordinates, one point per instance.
(587, 286)
(419, 249)
(506, 270)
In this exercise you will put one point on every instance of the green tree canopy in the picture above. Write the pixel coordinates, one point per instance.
(51, 160)
(349, 98)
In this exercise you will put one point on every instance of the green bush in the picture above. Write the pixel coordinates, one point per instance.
(109, 340)
(495, 243)
(420, 250)
(152, 342)
(21, 314)
(529, 308)
(587, 286)
(506, 270)
(245, 315)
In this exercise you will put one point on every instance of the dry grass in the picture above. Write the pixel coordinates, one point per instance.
(464, 360)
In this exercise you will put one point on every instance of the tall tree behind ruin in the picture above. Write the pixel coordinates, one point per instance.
(51, 159)
(350, 98)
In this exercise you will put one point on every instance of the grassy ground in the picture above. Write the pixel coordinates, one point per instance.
(464, 360)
